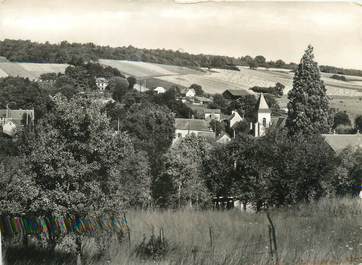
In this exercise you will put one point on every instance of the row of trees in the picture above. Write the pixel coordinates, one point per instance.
(65, 52)
(273, 171)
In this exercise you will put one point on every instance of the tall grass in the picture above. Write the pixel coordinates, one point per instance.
(327, 232)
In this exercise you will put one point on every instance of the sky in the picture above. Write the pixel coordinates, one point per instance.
(276, 30)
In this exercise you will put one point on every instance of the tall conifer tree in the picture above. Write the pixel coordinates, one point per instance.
(308, 111)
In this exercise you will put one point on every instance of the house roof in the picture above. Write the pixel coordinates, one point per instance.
(208, 134)
(190, 90)
(203, 99)
(16, 114)
(159, 88)
(215, 111)
(223, 135)
(338, 142)
(192, 125)
(101, 79)
(233, 114)
(237, 93)
(263, 106)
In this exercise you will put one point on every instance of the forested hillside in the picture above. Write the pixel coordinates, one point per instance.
(65, 52)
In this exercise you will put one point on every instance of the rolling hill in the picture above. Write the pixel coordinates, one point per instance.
(29, 70)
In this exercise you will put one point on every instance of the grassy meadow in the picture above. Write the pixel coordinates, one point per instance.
(327, 232)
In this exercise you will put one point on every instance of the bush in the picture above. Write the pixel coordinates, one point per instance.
(339, 77)
(276, 90)
(344, 129)
(156, 247)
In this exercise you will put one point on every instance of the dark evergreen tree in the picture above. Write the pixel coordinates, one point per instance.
(308, 111)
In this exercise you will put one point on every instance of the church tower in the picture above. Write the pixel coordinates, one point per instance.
(264, 117)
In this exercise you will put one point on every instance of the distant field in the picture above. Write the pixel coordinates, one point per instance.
(143, 70)
(29, 70)
(218, 80)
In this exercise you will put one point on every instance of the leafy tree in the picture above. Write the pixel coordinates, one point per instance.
(219, 171)
(246, 105)
(260, 60)
(252, 64)
(358, 123)
(183, 167)
(198, 89)
(218, 102)
(341, 118)
(152, 129)
(180, 109)
(22, 93)
(80, 165)
(280, 63)
(273, 104)
(8, 147)
(279, 89)
(242, 127)
(131, 81)
(119, 86)
(344, 129)
(217, 127)
(308, 110)
(18, 189)
(274, 170)
(348, 175)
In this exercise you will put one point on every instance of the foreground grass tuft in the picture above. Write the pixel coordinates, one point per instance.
(327, 232)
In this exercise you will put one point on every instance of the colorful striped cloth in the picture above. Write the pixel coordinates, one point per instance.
(47, 226)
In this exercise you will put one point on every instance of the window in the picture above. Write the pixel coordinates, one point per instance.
(179, 135)
(264, 122)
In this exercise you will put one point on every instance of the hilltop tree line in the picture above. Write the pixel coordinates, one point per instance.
(65, 52)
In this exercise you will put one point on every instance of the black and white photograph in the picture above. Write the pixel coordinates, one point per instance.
(180, 132)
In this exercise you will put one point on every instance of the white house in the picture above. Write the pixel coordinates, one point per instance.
(264, 117)
(160, 90)
(234, 118)
(9, 128)
(190, 93)
(192, 126)
(212, 114)
(101, 83)
(140, 88)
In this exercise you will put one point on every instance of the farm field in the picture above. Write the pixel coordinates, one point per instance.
(326, 232)
(29, 70)
(219, 80)
(142, 70)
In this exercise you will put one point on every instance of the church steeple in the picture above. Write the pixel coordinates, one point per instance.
(263, 106)
(264, 117)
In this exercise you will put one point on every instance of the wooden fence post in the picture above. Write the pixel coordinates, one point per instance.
(1, 253)
(162, 236)
(210, 235)
(273, 234)
(270, 242)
